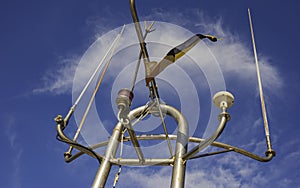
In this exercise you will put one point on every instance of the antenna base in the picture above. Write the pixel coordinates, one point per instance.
(270, 152)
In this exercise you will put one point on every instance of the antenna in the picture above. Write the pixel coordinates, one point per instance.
(261, 94)
(127, 116)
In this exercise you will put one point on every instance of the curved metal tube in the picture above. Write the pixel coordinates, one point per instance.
(269, 155)
(174, 137)
(179, 165)
(70, 158)
(208, 141)
(215, 144)
(76, 145)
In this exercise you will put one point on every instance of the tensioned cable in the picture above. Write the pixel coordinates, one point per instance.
(96, 89)
(262, 100)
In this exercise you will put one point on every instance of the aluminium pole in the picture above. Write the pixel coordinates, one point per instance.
(104, 169)
(178, 173)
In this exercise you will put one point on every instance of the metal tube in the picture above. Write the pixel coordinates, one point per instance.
(96, 70)
(262, 100)
(135, 143)
(211, 153)
(174, 137)
(207, 141)
(215, 144)
(178, 172)
(139, 31)
(147, 162)
(148, 30)
(66, 139)
(151, 84)
(94, 93)
(104, 169)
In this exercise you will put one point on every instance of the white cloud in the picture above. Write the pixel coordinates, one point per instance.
(227, 171)
(235, 59)
(59, 80)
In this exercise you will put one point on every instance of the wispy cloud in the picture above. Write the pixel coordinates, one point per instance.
(234, 57)
(14, 146)
(59, 80)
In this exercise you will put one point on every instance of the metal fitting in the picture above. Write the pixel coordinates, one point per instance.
(123, 101)
(270, 152)
(124, 98)
(224, 114)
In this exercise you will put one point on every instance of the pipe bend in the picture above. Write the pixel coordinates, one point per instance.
(133, 11)
(76, 145)
(208, 141)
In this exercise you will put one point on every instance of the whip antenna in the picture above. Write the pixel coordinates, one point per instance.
(262, 100)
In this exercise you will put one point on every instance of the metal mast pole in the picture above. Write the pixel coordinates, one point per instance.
(104, 169)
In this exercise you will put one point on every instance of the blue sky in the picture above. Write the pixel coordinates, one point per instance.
(42, 43)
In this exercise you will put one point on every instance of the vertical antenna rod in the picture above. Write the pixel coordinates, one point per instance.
(262, 100)
(72, 109)
(95, 91)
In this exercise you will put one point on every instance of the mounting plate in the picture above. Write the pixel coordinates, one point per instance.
(223, 99)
